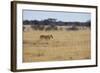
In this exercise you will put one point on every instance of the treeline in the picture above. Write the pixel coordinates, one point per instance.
(51, 21)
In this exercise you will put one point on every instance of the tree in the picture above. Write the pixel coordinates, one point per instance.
(26, 22)
(46, 22)
(51, 19)
(35, 22)
(88, 24)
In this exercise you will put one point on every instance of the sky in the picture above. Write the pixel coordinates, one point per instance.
(60, 16)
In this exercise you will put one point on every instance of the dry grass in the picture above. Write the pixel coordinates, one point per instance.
(66, 45)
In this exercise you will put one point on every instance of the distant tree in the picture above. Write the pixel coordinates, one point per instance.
(77, 24)
(35, 22)
(26, 22)
(51, 19)
(46, 22)
(36, 25)
(88, 24)
(32, 21)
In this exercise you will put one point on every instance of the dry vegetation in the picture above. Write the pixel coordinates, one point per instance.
(65, 45)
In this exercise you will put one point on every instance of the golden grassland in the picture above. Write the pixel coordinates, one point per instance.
(65, 45)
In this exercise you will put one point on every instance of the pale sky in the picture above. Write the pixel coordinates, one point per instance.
(60, 16)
